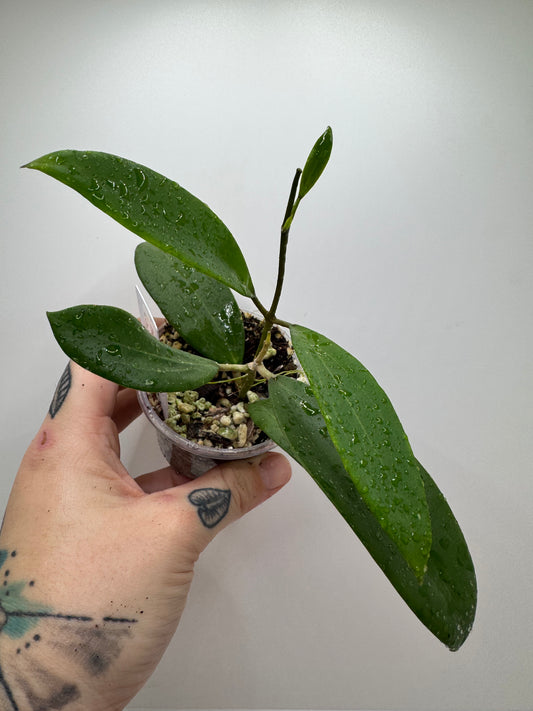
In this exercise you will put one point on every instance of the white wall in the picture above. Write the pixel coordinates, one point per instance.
(414, 252)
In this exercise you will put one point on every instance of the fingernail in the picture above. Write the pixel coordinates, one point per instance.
(275, 471)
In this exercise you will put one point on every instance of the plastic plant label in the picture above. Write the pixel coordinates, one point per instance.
(148, 321)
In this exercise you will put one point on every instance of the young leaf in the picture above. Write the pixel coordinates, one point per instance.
(371, 442)
(445, 601)
(316, 162)
(154, 208)
(112, 343)
(202, 310)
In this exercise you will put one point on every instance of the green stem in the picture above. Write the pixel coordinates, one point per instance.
(270, 315)
(260, 355)
(283, 244)
(227, 380)
(264, 372)
(292, 195)
(262, 309)
(230, 367)
(247, 383)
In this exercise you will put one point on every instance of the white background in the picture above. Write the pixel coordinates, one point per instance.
(415, 252)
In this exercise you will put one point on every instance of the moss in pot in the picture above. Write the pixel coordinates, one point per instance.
(335, 420)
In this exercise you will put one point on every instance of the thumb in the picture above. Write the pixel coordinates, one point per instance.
(227, 492)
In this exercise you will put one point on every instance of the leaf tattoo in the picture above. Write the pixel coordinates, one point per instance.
(62, 389)
(213, 505)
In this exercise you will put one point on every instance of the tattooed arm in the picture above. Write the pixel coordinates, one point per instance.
(95, 566)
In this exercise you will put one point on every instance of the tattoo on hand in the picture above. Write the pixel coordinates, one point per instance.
(27, 629)
(62, 389)
(213, 505)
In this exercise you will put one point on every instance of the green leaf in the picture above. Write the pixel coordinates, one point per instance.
(371, 442)
(154, 208)
(445, 601)
(202, 310)
(316, 162)
(112, 343)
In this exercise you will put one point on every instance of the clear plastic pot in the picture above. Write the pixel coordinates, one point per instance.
(189, 458)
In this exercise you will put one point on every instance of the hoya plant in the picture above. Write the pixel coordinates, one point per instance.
(335, 420)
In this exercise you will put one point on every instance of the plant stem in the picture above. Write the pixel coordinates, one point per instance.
(260, 355)
(270, 315)
(283, 245)
(264, 312)
(247, 383)
(230, 367)
(292, 195)
(262, 309)
(264, 372)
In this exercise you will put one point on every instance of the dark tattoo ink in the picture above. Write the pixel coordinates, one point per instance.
(213, 505)
(47, 691)
(88, 642)
(119, 619)
(94, 646)
(62, 389)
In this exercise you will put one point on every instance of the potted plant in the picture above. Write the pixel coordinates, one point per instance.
(333, 417)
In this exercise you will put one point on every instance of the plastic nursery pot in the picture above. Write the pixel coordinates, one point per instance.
(189, 458)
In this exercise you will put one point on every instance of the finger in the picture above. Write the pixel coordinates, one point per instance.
(78, 423)
(160, 479)
(127, 408)
(224, 494)
(81, 393)
(80, 415)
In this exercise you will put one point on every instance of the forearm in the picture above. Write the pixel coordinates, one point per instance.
(57, 654)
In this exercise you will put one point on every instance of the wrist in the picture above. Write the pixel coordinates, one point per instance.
(59, 655)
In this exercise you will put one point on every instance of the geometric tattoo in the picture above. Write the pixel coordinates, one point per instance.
(33, 636)
(213, 504)
(61, 392)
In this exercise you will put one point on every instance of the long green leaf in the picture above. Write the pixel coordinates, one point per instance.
(202, 310)
(446, 599)
(154, 208)
(371, 442)
(112, 343)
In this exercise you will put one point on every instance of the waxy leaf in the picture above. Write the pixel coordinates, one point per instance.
(154, 208)
(316, 162)
(371, 442)
(445, 601)
(202, 310)
(112, 343)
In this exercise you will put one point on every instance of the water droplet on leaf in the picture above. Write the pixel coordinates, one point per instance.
(113, 350)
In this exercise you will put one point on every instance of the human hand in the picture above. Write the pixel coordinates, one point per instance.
(95, 566)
